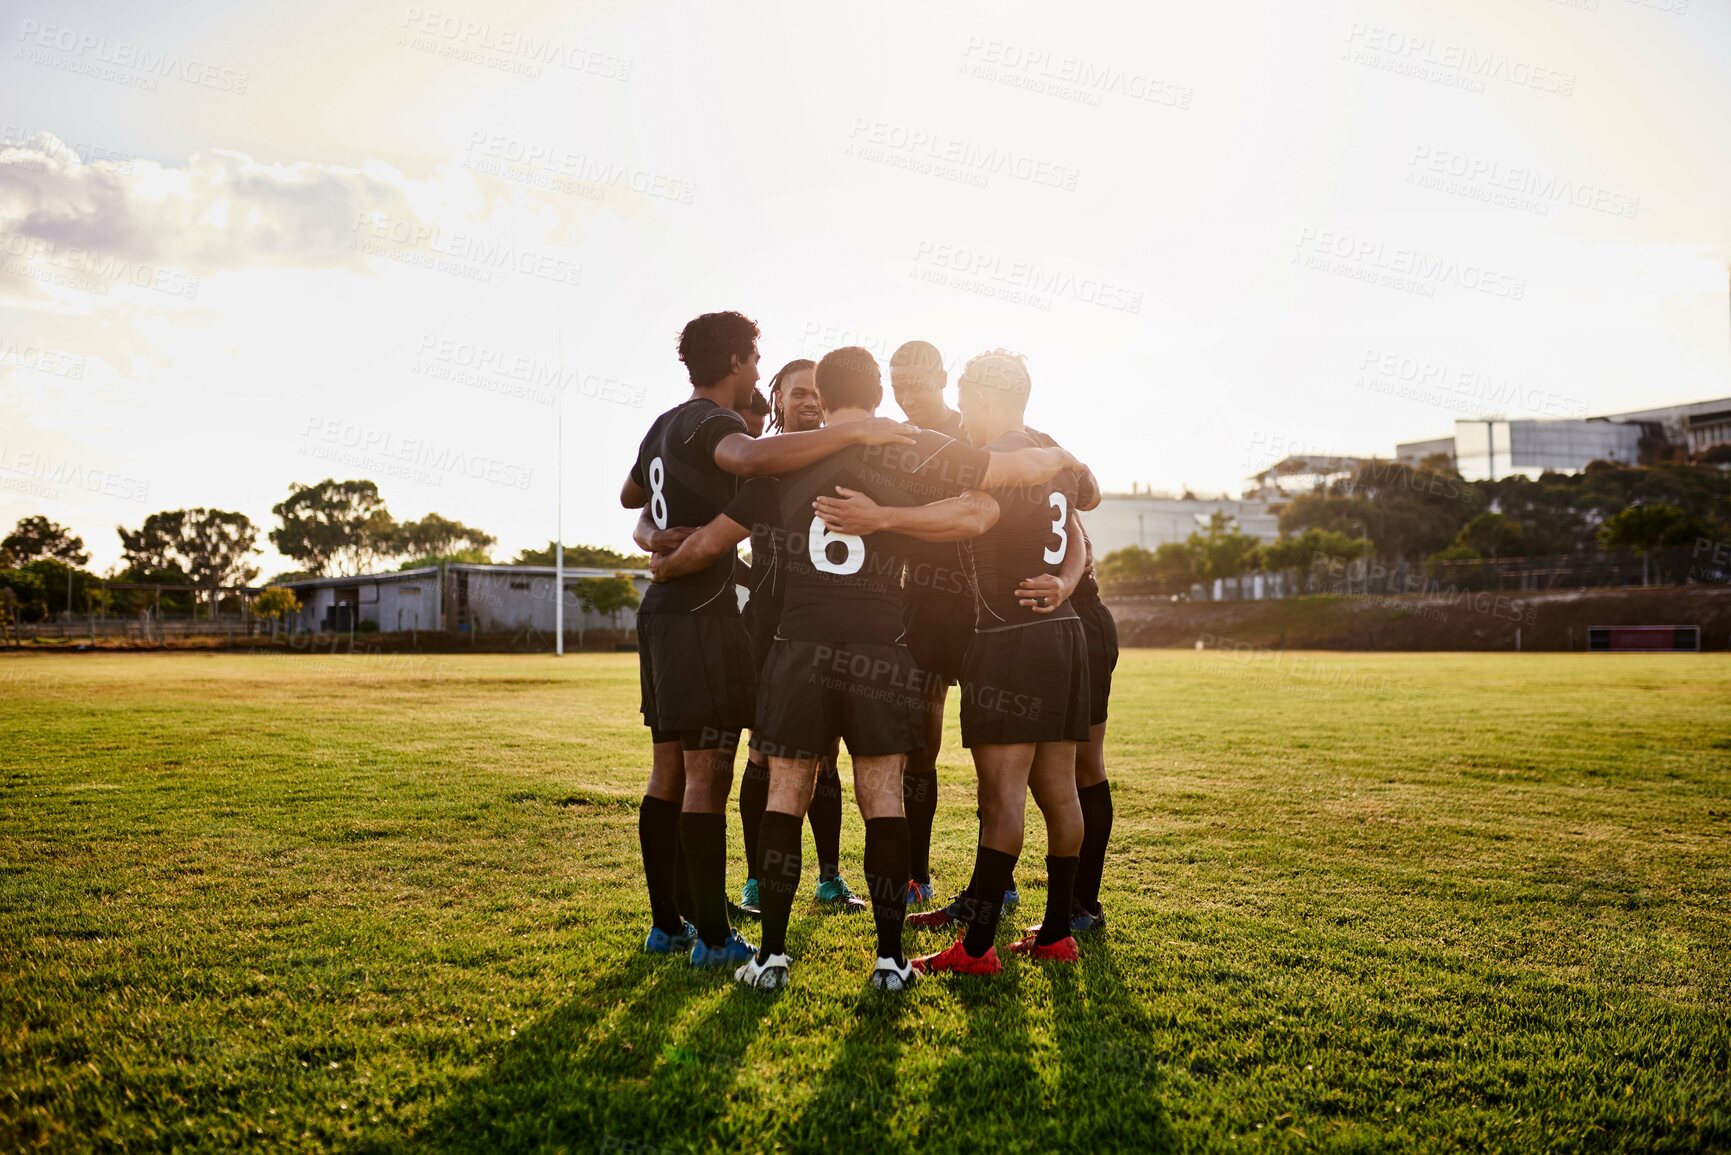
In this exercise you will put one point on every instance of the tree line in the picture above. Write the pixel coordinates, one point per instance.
(333, 528)
(1427, 515)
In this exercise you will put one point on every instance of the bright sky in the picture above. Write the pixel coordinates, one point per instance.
(250, 244)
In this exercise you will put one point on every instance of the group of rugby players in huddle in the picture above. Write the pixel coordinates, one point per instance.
(889, 560)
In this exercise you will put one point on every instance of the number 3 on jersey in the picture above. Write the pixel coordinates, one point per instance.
(1060, 526)
(657, 493)
(820, 539)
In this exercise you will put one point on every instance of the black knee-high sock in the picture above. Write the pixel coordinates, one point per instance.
(753, 797)
(658, 836)
(1096, 830)
(886, 874)
(1060, 892)
(682, 884)
(825, 815)
(920, 800)
(778, 845)
(992, 870)
(705, 839)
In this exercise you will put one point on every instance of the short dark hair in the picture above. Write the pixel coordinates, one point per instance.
(920, 356)
(758, 403)
(709, 344)
(848, 378)
(798, 365)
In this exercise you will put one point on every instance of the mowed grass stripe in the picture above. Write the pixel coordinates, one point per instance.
(1376, 901)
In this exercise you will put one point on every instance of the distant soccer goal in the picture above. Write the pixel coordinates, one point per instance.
(1644, 639)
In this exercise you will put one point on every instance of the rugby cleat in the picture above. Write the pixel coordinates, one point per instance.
(1012, 897)
(919, 893)
(768, 975)
(1081, 921)
(890, 975)
(956, 959)
(946, 915)
(749, 898)
(837, 893)
(1064, 950)
(731, 953)
(660, 942)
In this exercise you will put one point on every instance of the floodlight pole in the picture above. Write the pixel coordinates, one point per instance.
(559, 501)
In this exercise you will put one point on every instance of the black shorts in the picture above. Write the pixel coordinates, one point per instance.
(762, 618)
(1102, 634)
(698, 680)
(811, 693)
(1028, 684)
(938, 632)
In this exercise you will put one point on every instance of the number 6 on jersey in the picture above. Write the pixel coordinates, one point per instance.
(820, 539)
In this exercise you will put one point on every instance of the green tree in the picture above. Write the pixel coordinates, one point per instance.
(37, 537)
(1491, 535)
(205, 547)
(1222, 551)
(1648, 528)
(605, 595)
(275, 604)
(595, 556)
(1169, 567)
(435, 536)
(1299, 556)
(460, 557)
(341, 525)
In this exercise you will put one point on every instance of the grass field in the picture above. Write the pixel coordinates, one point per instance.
(1360, 902)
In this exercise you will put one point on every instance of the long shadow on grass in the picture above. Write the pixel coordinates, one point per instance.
(1109, 1063)
(628, 1061)
(857, 1098)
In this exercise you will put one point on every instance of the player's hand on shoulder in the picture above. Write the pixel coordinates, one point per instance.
(882, 431)
(1042, 593)
(850, 512)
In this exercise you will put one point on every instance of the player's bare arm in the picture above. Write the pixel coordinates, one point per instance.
(746, 456)
(699, 550)
(632, 495)
(952, 519)
(652, 540)
(1028, 467)
(1087, 489)
(1045, 592)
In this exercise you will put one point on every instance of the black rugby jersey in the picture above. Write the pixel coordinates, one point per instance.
(676, 464)
(843, 588)
(1032, 537)
(935, 572)
(758, 509)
